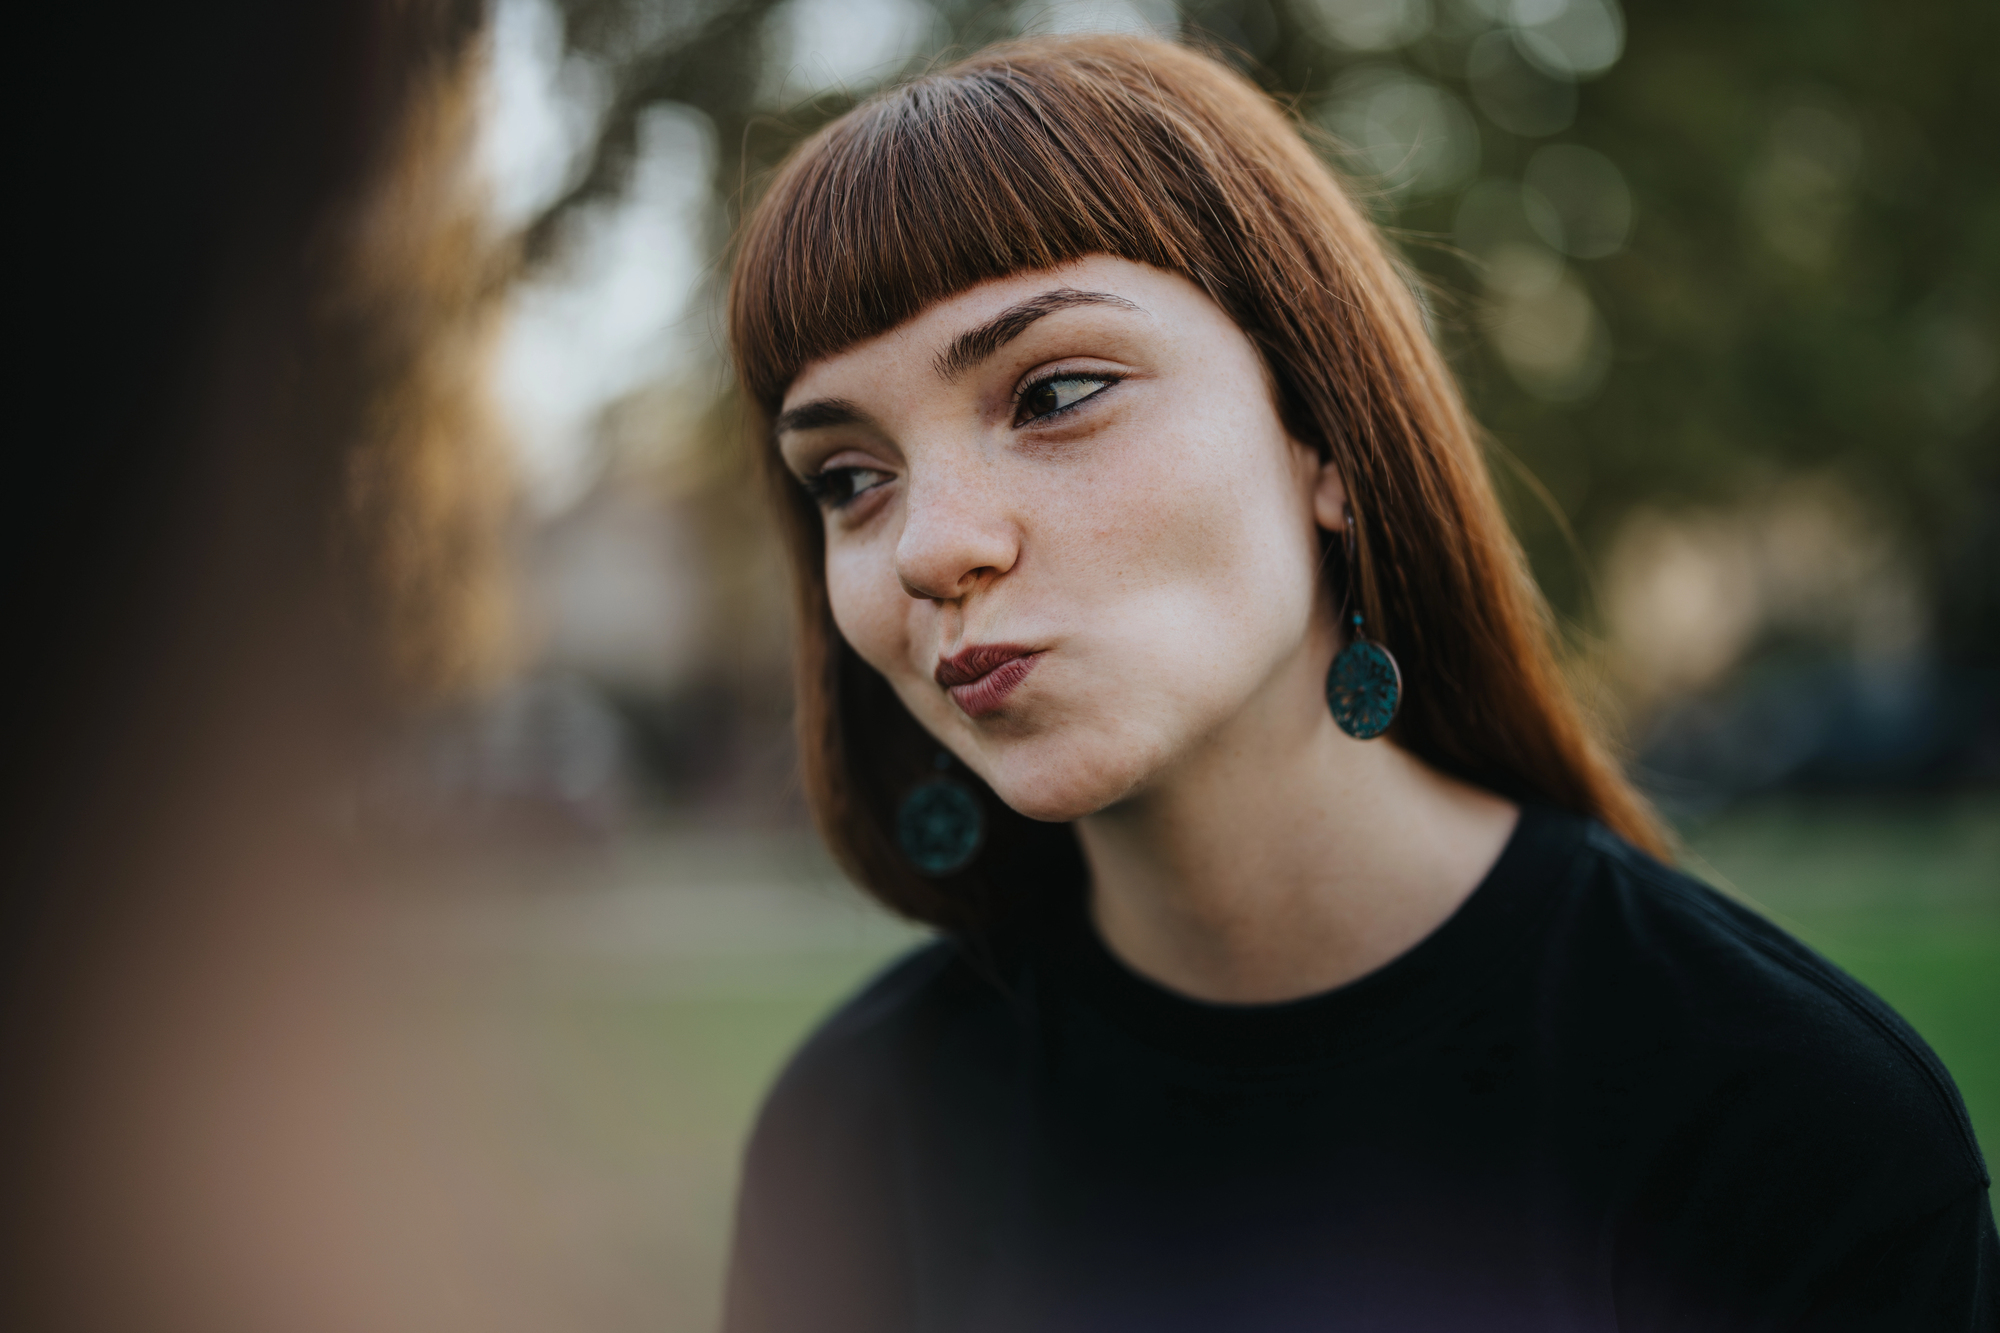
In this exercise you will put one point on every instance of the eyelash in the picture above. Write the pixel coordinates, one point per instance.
(824, 487)
(1102, 382)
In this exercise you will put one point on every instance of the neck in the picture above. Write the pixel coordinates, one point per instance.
(1283, 858)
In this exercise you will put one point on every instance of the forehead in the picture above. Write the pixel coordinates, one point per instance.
(927, 333)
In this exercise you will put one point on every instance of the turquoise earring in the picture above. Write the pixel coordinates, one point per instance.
(1364, 686)
(940, 826)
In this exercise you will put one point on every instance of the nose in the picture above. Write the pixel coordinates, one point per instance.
(956, 535)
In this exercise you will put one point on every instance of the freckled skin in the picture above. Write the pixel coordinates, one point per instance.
(1158, 539)
(1158, 544)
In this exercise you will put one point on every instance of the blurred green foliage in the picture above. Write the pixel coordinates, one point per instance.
(1677, 250)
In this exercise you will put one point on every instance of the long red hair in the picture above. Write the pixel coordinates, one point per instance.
(1031, 155)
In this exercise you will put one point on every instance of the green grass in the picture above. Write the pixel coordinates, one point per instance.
(647, 1101)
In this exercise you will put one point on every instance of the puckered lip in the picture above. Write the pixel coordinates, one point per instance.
(968, 665)
(980, 678)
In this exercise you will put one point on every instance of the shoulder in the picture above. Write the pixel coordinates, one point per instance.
(1763, 1123)
(1773, 1050)
(816, 1227)
(851, 1068)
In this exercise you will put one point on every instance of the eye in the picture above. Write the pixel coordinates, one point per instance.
(1057, 394)
(836, 487)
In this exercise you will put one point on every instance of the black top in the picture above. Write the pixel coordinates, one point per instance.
(1600, 1096)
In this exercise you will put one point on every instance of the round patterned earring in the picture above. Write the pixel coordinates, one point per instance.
(1364, 686)
(939, 825)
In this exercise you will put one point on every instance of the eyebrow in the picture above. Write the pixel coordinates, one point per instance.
(975, 345)
(966, 351)
(819, 412)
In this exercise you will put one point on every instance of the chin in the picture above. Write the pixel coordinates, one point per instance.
(1060, 783)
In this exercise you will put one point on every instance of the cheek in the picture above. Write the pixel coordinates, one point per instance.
(1211, 505)
(870, 608)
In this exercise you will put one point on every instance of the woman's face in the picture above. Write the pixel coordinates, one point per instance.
(1064, 521)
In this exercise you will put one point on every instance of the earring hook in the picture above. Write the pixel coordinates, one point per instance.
(1348, 547)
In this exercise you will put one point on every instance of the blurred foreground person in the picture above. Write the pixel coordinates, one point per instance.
(252, 520)
(1307, 963)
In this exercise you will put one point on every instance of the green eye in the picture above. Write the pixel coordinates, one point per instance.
(1053, 395)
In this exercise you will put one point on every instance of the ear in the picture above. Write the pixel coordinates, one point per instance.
(1330, 498)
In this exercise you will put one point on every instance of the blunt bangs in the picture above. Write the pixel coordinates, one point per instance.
(1009, 163)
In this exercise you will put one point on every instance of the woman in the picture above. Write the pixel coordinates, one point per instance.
(1130, 504)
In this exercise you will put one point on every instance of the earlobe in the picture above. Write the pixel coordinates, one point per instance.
(1330, 498)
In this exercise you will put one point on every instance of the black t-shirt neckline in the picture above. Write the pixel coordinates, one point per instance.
(1441, 975)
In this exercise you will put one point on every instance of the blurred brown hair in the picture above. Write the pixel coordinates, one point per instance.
(1034, 154)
